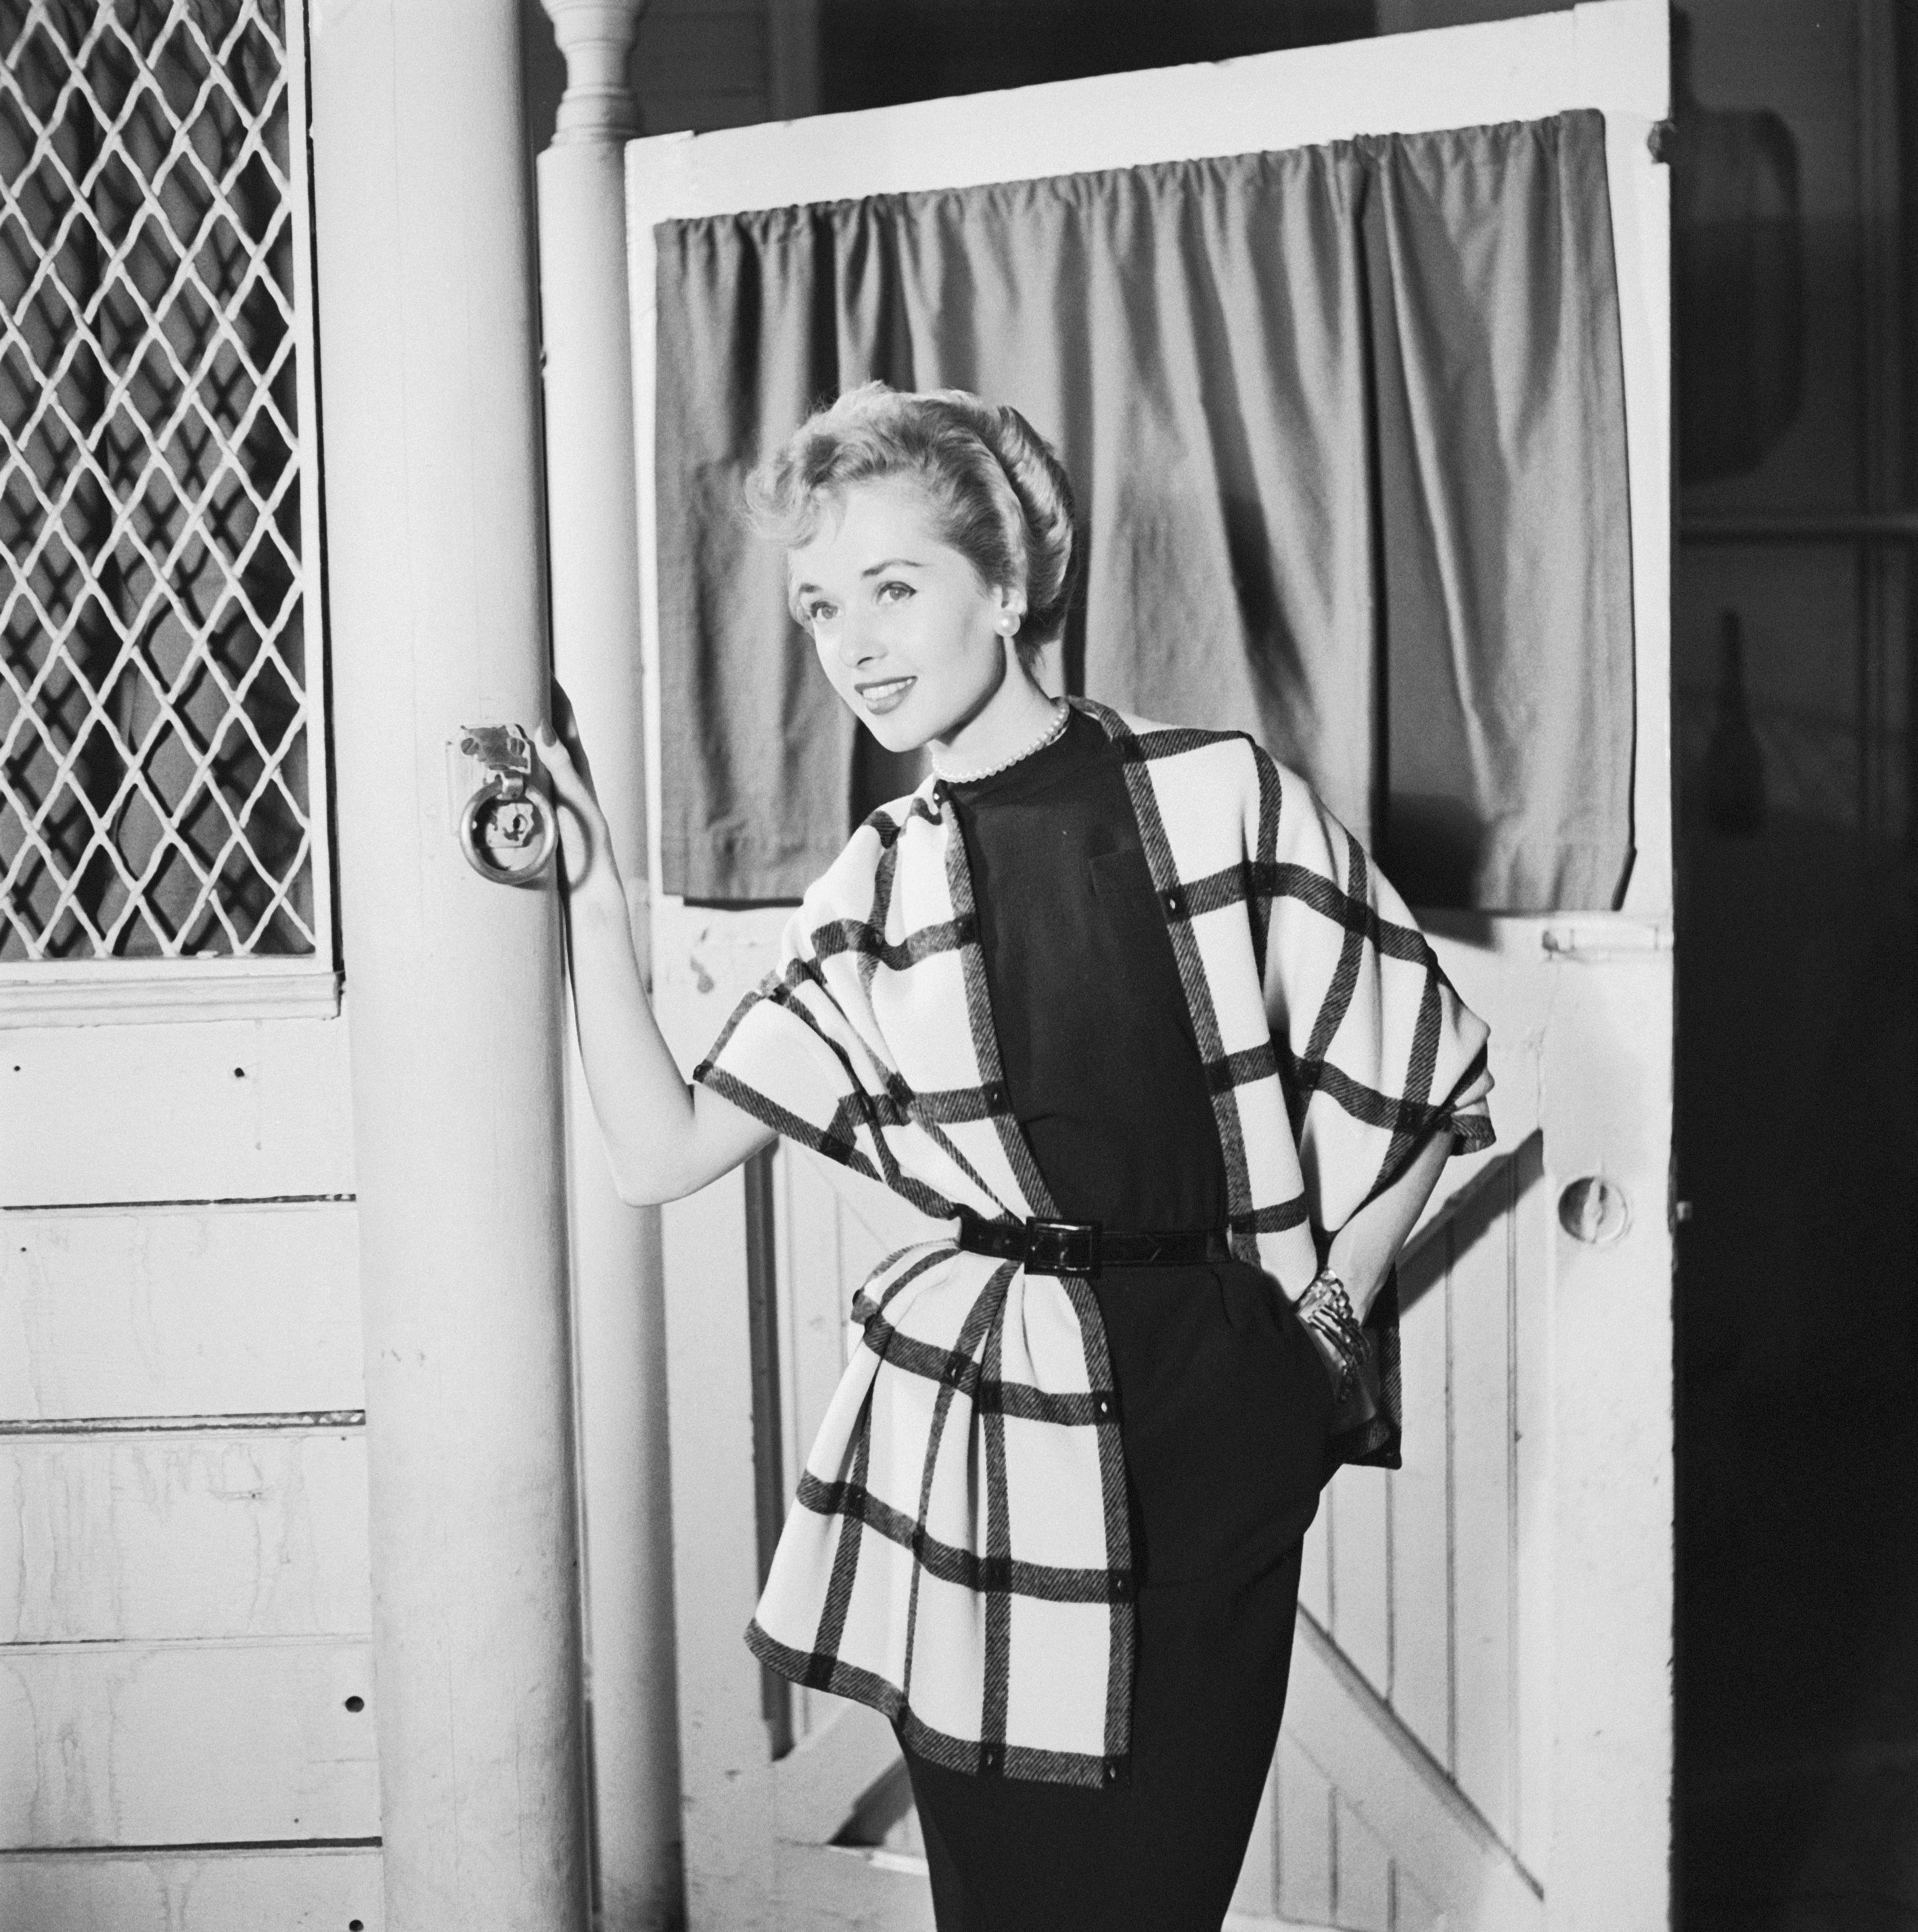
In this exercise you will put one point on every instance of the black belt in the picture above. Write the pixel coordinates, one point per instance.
(1085, 1247)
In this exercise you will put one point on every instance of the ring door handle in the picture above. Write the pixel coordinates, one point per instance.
(508, 829)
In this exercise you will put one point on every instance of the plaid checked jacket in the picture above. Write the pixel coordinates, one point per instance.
(957, 1552)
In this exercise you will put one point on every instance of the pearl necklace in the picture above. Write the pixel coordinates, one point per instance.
(1051, 735)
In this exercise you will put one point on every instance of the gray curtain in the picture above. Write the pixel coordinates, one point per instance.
(1347, 427)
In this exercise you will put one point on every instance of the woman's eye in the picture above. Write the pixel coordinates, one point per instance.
(893, 593)
(817, 614)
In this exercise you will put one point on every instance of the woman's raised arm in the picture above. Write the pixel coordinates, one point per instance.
(663, 1138)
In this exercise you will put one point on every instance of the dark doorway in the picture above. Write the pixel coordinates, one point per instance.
(1793, 176)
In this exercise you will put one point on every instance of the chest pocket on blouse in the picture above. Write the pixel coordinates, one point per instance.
(1120, 878)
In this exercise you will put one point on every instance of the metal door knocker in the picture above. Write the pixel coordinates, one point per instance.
(507, 829)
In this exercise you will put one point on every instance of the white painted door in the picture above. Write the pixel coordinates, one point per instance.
(1479, 1730)
(186, 1727)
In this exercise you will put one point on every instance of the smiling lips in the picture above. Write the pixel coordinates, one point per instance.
(885, 694)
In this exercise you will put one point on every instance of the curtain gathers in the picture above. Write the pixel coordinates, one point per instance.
(1348, 427)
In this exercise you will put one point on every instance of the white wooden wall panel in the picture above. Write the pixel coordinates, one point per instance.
(1608, 1112)
(320, 1890)
(1478, 1287)
(243, 1309)
(703, 961)
(1421, 1581)
(724, 1744)
(1532, 1522)
(850, 1890)
(1375, 1771)
(121, 1537)
(1364, 1873)
(152, 1745)
(183, 1603)
(219, 1111)
(1412, 1911)
(1302, 1840)
(819, 1783)
(1426, 1565)
(1513, 70)
(1360, 1561)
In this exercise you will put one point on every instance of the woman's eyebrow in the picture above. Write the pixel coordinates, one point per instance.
(870, 570)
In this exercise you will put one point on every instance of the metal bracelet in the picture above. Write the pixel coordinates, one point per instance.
(1326, 1308)
(1325, 1297)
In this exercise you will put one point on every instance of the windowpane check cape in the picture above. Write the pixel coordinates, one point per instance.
(958, 1553)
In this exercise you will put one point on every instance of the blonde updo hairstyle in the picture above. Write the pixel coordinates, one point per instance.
(999, 494)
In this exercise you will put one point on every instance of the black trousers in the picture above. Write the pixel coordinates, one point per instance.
(1225, 1406)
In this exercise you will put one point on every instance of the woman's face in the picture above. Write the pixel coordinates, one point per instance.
(910, 638)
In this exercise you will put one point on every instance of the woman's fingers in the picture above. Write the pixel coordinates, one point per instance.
(558, 761)
(579, 838)
(566, 730)
(582, 837)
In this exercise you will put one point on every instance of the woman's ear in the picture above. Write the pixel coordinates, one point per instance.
(1011, 611)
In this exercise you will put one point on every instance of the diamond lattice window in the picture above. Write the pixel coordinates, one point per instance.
(159, 731)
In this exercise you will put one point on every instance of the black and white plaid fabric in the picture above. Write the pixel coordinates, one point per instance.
(957, 1553)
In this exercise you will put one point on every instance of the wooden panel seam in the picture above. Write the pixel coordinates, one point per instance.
(135, 1206)
(183, 1849)
(292, 1421)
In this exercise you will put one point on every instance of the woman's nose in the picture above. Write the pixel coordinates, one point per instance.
(856, 643)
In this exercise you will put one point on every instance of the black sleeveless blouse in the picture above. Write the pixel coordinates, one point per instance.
(1095, 1039)
(1224, 1405)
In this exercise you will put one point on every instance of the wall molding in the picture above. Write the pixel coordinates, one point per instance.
(108, 992)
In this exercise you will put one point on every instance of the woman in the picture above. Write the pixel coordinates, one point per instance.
(1129, 1008)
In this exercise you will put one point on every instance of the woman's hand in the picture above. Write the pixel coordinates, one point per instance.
(586, 843)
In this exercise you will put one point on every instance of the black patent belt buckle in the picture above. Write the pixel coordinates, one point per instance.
(1062, 1247)
(1087, 1247)
(1041, 1246)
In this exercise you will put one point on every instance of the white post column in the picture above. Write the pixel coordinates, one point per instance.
(437, 599)
(618, 1306)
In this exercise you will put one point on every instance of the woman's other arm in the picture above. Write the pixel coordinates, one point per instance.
(663, 1138)
(1363, 1251)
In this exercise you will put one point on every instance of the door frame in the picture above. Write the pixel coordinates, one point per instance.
(747, 1845)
